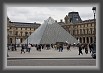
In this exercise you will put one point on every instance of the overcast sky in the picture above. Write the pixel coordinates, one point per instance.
(39, 14)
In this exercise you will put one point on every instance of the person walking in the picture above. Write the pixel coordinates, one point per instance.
(26, 46)
(39, 47)
(55, 47)
(29, 47)
(22, 49)
(86, 49)
(60, 48)
(80, 50)
(68, 47)
(90, 48)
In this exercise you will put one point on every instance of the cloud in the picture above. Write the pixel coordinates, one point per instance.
(39, 14)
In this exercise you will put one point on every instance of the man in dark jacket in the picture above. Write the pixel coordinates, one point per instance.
(80, 50)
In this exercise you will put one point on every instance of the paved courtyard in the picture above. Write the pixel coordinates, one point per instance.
(52, 53)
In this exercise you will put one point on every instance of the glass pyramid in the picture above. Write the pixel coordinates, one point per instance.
(50, 32)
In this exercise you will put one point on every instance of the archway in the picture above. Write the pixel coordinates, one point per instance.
(87, 40)
(10, 40)
(91, 40)
(83, 39)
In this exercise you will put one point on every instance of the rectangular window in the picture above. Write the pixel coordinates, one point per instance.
(80, 31)
(16, 33)
(83, 31)
(26, 33)
(30, 33)
(91, 30)
(21, 40)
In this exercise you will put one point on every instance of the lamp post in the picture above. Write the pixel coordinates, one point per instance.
(8, 44)
(15, 40)
(8, 41)
(94, 11)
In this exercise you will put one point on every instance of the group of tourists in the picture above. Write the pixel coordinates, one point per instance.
(39, 47)
(25, 46)
(59, 47)
(12, 47)
(85, 47)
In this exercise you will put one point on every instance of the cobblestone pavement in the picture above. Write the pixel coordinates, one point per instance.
(52, 53)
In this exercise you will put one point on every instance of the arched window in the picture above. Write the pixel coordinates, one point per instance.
(87, 40)
(80, 40)
(91, 40)
(21, 40)
(83, 39)
(10, 40)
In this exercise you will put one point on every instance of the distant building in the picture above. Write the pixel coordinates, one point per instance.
(19, 30)
(73, 17)
(85, 31)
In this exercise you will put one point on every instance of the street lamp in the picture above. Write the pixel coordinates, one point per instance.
(8, 41)
(8, 44)
(94, 11)
(15, 40)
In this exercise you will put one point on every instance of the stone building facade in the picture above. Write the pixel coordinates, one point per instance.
(84, 31)
(17, 32)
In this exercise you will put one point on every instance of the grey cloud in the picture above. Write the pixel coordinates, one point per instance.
(86, 16)
(57, 8)
(39, 14)
(40, 18)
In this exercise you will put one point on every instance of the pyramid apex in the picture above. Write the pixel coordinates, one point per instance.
(50, 20)
(50, 17)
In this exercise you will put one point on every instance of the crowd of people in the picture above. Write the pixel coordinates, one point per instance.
(25, 46)
(86, 47)
(59, 47)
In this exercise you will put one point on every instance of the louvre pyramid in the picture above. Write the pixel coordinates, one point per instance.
(50, 32)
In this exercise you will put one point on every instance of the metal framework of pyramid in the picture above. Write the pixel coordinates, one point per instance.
(50, 32)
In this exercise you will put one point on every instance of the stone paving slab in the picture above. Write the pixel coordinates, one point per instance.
(52, 53)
